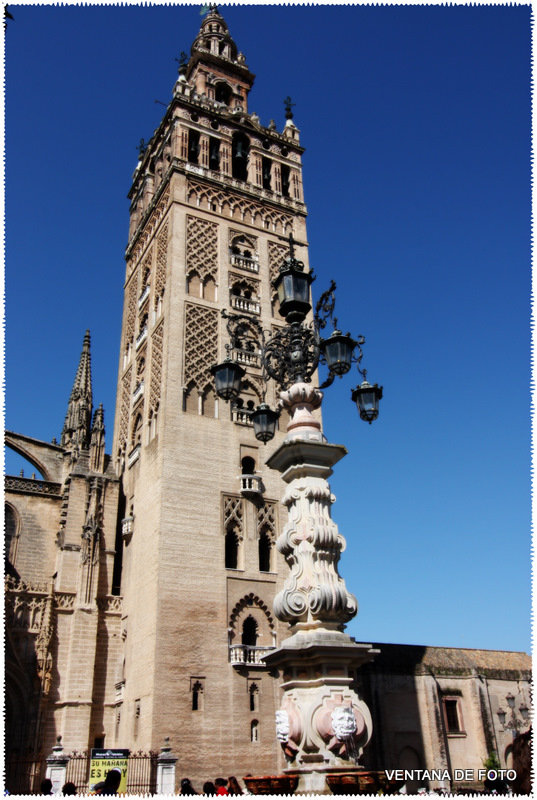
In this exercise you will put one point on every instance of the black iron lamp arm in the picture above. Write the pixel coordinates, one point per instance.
(325, 307)
(239, 329)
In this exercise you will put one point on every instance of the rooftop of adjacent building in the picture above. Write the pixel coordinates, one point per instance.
(423, 660)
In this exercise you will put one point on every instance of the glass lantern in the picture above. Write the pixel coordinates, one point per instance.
(293, 287)
(227, 379)
(367, 399)
(264, 420)
(338, 350)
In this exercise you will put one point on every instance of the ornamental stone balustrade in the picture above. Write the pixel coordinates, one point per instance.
(248, 654)
(250, 264)
(251, 484)
(243, 304)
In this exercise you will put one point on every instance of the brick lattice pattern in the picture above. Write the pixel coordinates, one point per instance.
(201, 248)
(201, 344)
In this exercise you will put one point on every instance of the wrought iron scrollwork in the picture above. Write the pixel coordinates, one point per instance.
(292, 354)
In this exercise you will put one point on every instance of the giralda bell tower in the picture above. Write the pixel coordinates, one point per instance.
(214, 196)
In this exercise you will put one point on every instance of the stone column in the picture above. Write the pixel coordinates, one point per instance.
(166, 770)
(57, 766)
(322, 725)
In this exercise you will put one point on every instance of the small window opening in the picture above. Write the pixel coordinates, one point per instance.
(197, 696)
(248, 464)
(232, 550)
(254, 731)
(254, 694)
(264, 552)
(452, 716)
(249, 632)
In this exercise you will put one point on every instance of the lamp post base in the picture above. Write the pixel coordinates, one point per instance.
(317, 669)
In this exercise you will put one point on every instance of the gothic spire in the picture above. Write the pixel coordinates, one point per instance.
(77, 426)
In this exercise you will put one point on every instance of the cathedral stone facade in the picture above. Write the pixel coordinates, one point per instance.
(140, 585)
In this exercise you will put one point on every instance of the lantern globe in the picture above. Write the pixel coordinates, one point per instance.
(338, 351)
(367, 399)
(264, 420)
(227, 379)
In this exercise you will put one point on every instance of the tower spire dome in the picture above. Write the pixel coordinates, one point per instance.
(214, 37)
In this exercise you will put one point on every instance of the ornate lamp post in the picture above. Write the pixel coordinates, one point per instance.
(322, 725)
(515, 724)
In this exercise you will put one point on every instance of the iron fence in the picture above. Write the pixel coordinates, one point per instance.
(142, 773)
(78, 770)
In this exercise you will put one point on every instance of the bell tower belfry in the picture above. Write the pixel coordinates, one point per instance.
(214, 197)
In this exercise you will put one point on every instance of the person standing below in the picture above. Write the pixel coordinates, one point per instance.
(186, 787)
(220, 784)
(233, 786)
(111, 782)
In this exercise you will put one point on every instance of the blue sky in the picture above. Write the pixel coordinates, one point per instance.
(417, 127)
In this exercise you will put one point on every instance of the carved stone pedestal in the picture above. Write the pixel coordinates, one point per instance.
(317, 671)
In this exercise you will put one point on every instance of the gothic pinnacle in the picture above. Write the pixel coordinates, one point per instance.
(76, 429)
